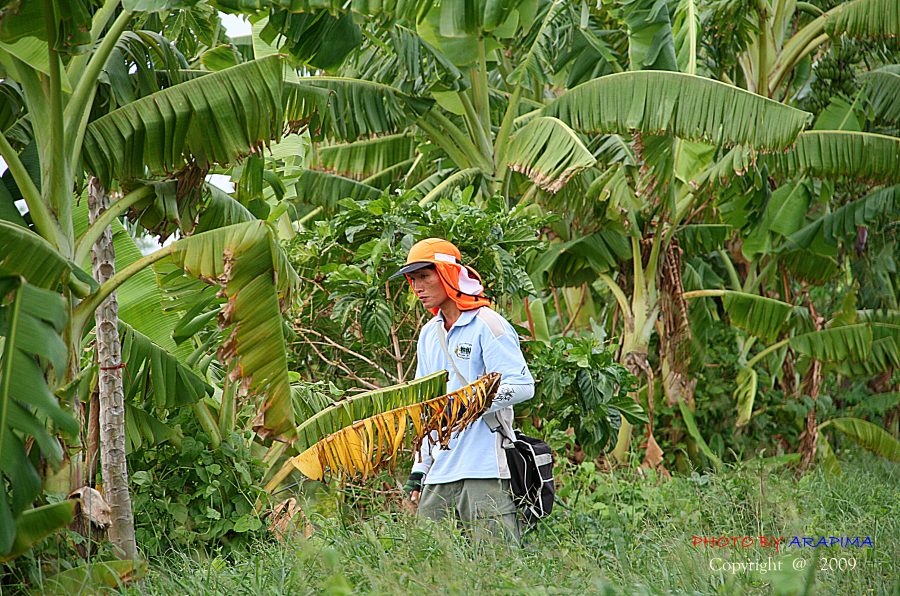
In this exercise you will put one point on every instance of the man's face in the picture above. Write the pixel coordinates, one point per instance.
(428, 288)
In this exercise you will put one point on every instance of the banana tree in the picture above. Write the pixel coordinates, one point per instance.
(56, 80)
(760, 44)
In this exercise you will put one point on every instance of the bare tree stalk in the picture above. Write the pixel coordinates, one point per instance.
(93, 438)
(111, 391)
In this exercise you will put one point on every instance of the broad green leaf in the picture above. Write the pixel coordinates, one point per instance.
(842, 223)
(22, 252)
(361, 159)
(686, 35)
(869, 436)
(316, 38)
(837, 344)
(838, 115)
(784, 214)
(811, 267)
(865, 19)
(835, 155)
(155, 375)
(686, 106)
(882, 88)
(651, 46)
(347, 109)
(577, 261)
(216, 118)
(36, 524)
(549, 153)
(108, 574)
(32, 363)
(702, 238)
(758, 315)
(465, 18)
(456, 180)
(257, 281)
(829, 461)
(320, 189)
(537, 61)
(220, 57)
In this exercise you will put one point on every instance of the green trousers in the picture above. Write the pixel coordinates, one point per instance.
(481, 506)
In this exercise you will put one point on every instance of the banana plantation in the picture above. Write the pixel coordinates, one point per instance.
(688, 210)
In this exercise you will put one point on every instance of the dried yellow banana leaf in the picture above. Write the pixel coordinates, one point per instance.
(367, 445)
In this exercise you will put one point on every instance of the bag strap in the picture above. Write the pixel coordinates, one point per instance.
(501, 421)
(442, 334)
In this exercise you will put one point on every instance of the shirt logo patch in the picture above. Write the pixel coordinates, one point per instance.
(463, 351)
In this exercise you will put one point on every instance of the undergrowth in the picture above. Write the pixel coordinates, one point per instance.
(615, 533)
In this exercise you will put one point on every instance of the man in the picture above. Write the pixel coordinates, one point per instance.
(470, 480)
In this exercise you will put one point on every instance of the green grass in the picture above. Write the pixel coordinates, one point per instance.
(621, 534)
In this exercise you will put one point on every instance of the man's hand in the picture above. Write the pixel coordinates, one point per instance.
(413, 486)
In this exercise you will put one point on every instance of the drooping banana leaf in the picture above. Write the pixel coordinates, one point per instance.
(316, 38)
(24, 253)
(32, 362)
(686, 106)
(347, 109)
(372, 443)
(549, 153)
(577, 261)
(537, 62)
(650, 42)
(836, 344)
(868, 436)
(456, 180)
(865, 19)
(342, 413)
(216, 118)
(840, 154)
(257, 280)
(843, 221)
(33, 525)
(784, 214)
(361, 159)
(882, 88)
(320, 189)
(153, 372)
(702, 238)
(108, 574)
(758, 315)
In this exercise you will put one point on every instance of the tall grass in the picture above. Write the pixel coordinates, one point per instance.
(619, 534)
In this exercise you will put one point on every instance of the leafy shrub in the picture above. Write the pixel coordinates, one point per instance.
(347, 260)
(191, 495)
(580, 386)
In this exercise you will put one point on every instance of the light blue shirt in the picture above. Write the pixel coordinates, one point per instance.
(480, 341)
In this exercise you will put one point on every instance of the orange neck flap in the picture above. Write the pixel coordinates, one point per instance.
(451, 271)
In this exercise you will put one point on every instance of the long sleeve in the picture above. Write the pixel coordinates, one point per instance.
(504, 355)
(426, 459)
(510, 395)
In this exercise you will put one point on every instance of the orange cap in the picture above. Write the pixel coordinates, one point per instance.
(430, 251)
(462, 283)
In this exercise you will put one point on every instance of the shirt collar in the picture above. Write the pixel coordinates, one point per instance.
(465, 317)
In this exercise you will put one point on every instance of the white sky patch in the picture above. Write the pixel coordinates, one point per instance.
(235, 26)
(221, 181)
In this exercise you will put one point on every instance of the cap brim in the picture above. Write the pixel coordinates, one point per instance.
(410, 268)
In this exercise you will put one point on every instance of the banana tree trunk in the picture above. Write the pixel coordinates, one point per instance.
(635, 344)
(812, 386)
(111, 392)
